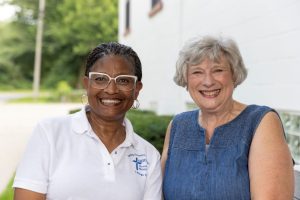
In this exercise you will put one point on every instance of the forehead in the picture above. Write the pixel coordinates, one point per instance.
(207, 61)
(113, 63)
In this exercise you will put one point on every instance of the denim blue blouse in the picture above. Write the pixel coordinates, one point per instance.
(221, 172)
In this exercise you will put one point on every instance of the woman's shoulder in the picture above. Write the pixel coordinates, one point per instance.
(63, 120)
(145, 147)
(143, 143)
(55, 121)
(254, 111)
(253, 115)
(258, 108)
(138, 141)
(187, 115)
(61, 126)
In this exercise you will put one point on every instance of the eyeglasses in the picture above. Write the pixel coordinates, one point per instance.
(101, 81)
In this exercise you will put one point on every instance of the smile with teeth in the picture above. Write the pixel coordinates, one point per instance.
(110, 101)
(210, 93)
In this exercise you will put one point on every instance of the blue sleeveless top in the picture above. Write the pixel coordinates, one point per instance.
(221, 172)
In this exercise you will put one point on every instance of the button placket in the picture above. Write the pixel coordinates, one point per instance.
(107, 161)
(117, 155)
(110, 170)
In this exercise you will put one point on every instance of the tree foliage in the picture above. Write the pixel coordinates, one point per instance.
(71, 30)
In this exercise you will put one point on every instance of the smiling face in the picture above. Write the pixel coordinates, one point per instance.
(111, 103)
(210, 84)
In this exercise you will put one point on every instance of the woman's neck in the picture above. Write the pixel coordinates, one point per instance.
(111, 133)
(211, 120)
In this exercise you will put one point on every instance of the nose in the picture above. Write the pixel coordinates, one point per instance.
(208, 80)
(111, 88)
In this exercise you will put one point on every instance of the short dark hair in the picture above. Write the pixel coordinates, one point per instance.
(114, 48)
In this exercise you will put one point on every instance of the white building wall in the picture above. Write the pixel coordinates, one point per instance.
(267, 32)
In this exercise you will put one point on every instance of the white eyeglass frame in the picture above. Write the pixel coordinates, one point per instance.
(115, 79)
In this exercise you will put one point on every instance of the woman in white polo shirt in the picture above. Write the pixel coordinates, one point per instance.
(94, 153)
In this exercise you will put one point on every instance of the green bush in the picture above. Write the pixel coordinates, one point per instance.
(63, 90)
(150, 126)
(8, 193)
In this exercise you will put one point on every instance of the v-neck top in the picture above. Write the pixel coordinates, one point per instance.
(220, 171)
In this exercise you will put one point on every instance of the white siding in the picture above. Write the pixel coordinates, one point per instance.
(267, 32)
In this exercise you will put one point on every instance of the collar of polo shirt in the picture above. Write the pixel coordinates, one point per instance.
(81, 125)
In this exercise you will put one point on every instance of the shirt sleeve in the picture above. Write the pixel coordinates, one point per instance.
(32, 172)
(153, 189)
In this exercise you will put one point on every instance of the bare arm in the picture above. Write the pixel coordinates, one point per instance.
(22, 194)
(164, 155)
(270, 162)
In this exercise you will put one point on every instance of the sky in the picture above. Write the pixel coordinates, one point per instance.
(6, 12)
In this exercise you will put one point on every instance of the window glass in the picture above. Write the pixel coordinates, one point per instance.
(156, 6)
(127, 17)
(291, 123)
(154, 2)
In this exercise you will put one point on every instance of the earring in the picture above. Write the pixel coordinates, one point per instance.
(136, 104)
(84, 99)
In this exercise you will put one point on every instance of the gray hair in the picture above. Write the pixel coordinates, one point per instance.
(197, 50)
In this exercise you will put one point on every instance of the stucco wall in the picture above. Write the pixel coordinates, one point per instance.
(267, 33)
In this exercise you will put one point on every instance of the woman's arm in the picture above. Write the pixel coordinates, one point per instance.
(22, 194)
(31, 177)
(153, 187)
(164, 155)
(270, 163)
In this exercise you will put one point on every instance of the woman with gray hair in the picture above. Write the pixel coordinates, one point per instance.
(225, 149)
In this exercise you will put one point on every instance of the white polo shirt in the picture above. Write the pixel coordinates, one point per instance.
(67, 161)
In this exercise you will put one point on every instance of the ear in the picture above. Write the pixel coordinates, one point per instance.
(138, 87)
(85, 82)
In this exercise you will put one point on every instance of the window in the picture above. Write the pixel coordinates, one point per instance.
(154, 2)
(291, 123)
(127, 18)
(156, 6)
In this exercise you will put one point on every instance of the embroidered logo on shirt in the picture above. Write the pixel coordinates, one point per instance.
(140, 163)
